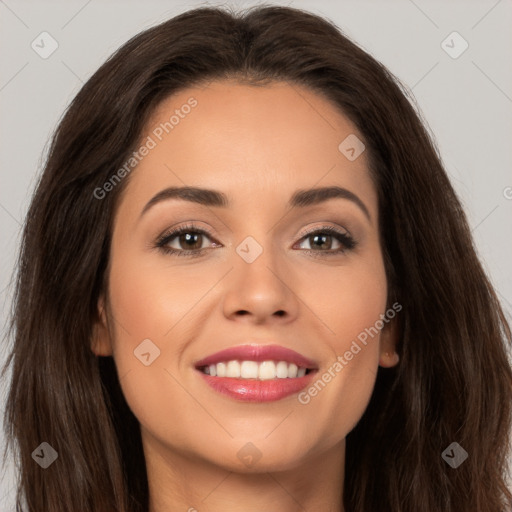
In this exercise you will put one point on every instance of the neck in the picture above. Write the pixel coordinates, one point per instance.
(178, 483)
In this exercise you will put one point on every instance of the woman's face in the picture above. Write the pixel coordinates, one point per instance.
(256, 278)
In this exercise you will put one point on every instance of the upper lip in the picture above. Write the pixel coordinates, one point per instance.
(258, 353)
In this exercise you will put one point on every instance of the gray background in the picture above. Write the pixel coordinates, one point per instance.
(466, 102)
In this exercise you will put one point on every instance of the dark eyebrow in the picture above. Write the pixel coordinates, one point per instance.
(312, 196)
(198, 195)
(300, 199)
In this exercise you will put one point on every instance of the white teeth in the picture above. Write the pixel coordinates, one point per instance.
(282, 370)
(221, 369)
(265, 370)
(292, 371)
(233, 369)
(249, 370)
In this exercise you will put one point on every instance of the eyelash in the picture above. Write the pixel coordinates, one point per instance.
(345, 240)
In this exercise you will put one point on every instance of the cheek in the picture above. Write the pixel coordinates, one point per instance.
(152, 299)
(345, 301)
(350, 303)
(150, 311)
(361, 303)
(155, 309)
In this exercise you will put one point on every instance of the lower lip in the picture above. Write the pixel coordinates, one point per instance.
(254, 390)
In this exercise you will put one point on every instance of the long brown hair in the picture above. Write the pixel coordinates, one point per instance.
(454, 379)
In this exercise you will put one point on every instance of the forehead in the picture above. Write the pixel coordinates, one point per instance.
(251, 142)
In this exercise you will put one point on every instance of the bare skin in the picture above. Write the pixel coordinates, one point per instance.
(258, 145)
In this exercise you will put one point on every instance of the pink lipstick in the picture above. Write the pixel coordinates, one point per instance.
(257, 373)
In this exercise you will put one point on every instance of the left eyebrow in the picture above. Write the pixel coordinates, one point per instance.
(313, 196)
(300, 199)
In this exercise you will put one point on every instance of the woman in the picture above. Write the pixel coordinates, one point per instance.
(182, 340)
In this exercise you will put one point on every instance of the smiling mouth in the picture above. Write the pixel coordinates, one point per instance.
(257, 373)
(256, 370)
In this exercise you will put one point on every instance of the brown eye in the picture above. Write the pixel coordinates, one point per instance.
(321, 240)
(189, 240)
(186, 241)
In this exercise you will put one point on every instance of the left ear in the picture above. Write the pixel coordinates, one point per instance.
(388, 341)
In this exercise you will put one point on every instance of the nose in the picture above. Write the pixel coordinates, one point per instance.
(261, 291)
